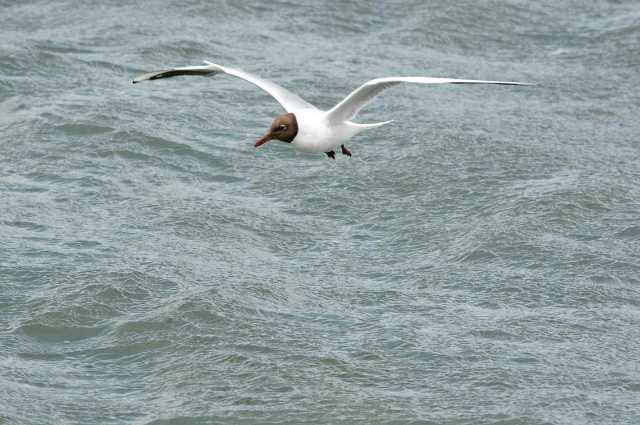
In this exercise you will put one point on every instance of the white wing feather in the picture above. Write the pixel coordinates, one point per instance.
(356, 100)
(289, 101)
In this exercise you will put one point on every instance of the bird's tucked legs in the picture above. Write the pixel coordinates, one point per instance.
(345, 151)
(331, 154)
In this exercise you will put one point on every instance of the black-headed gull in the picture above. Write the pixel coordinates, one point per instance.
(305, 127)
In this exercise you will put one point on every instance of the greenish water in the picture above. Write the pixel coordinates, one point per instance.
(475, 262)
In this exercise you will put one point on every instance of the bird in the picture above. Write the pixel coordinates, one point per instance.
(305, 127)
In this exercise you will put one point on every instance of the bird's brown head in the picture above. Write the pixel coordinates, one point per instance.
(284, 128)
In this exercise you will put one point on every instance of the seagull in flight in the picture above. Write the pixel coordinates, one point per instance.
(305, 127)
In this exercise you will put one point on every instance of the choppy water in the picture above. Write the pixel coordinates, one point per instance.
(476, 262)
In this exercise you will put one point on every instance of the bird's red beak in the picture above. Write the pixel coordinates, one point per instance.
(264, 139)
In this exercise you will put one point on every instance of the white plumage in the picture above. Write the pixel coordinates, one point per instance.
(318, 130)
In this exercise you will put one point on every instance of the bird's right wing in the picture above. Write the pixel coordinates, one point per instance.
(357, 99)
(288, 100)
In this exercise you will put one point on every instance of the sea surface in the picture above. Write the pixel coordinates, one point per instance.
(477, 261)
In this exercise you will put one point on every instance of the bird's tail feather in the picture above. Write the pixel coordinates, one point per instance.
(372, 125)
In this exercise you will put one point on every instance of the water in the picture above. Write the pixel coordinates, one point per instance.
(476, 262)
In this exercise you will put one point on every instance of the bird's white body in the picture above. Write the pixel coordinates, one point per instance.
(317, 130)
(316, 134)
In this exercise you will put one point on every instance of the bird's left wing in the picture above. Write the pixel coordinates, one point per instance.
(288, 100)
(350, 105)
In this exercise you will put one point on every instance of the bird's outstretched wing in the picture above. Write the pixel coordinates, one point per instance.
(289, 101)
(350, 105)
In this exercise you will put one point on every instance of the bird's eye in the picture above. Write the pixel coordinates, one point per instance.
(283, 127)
